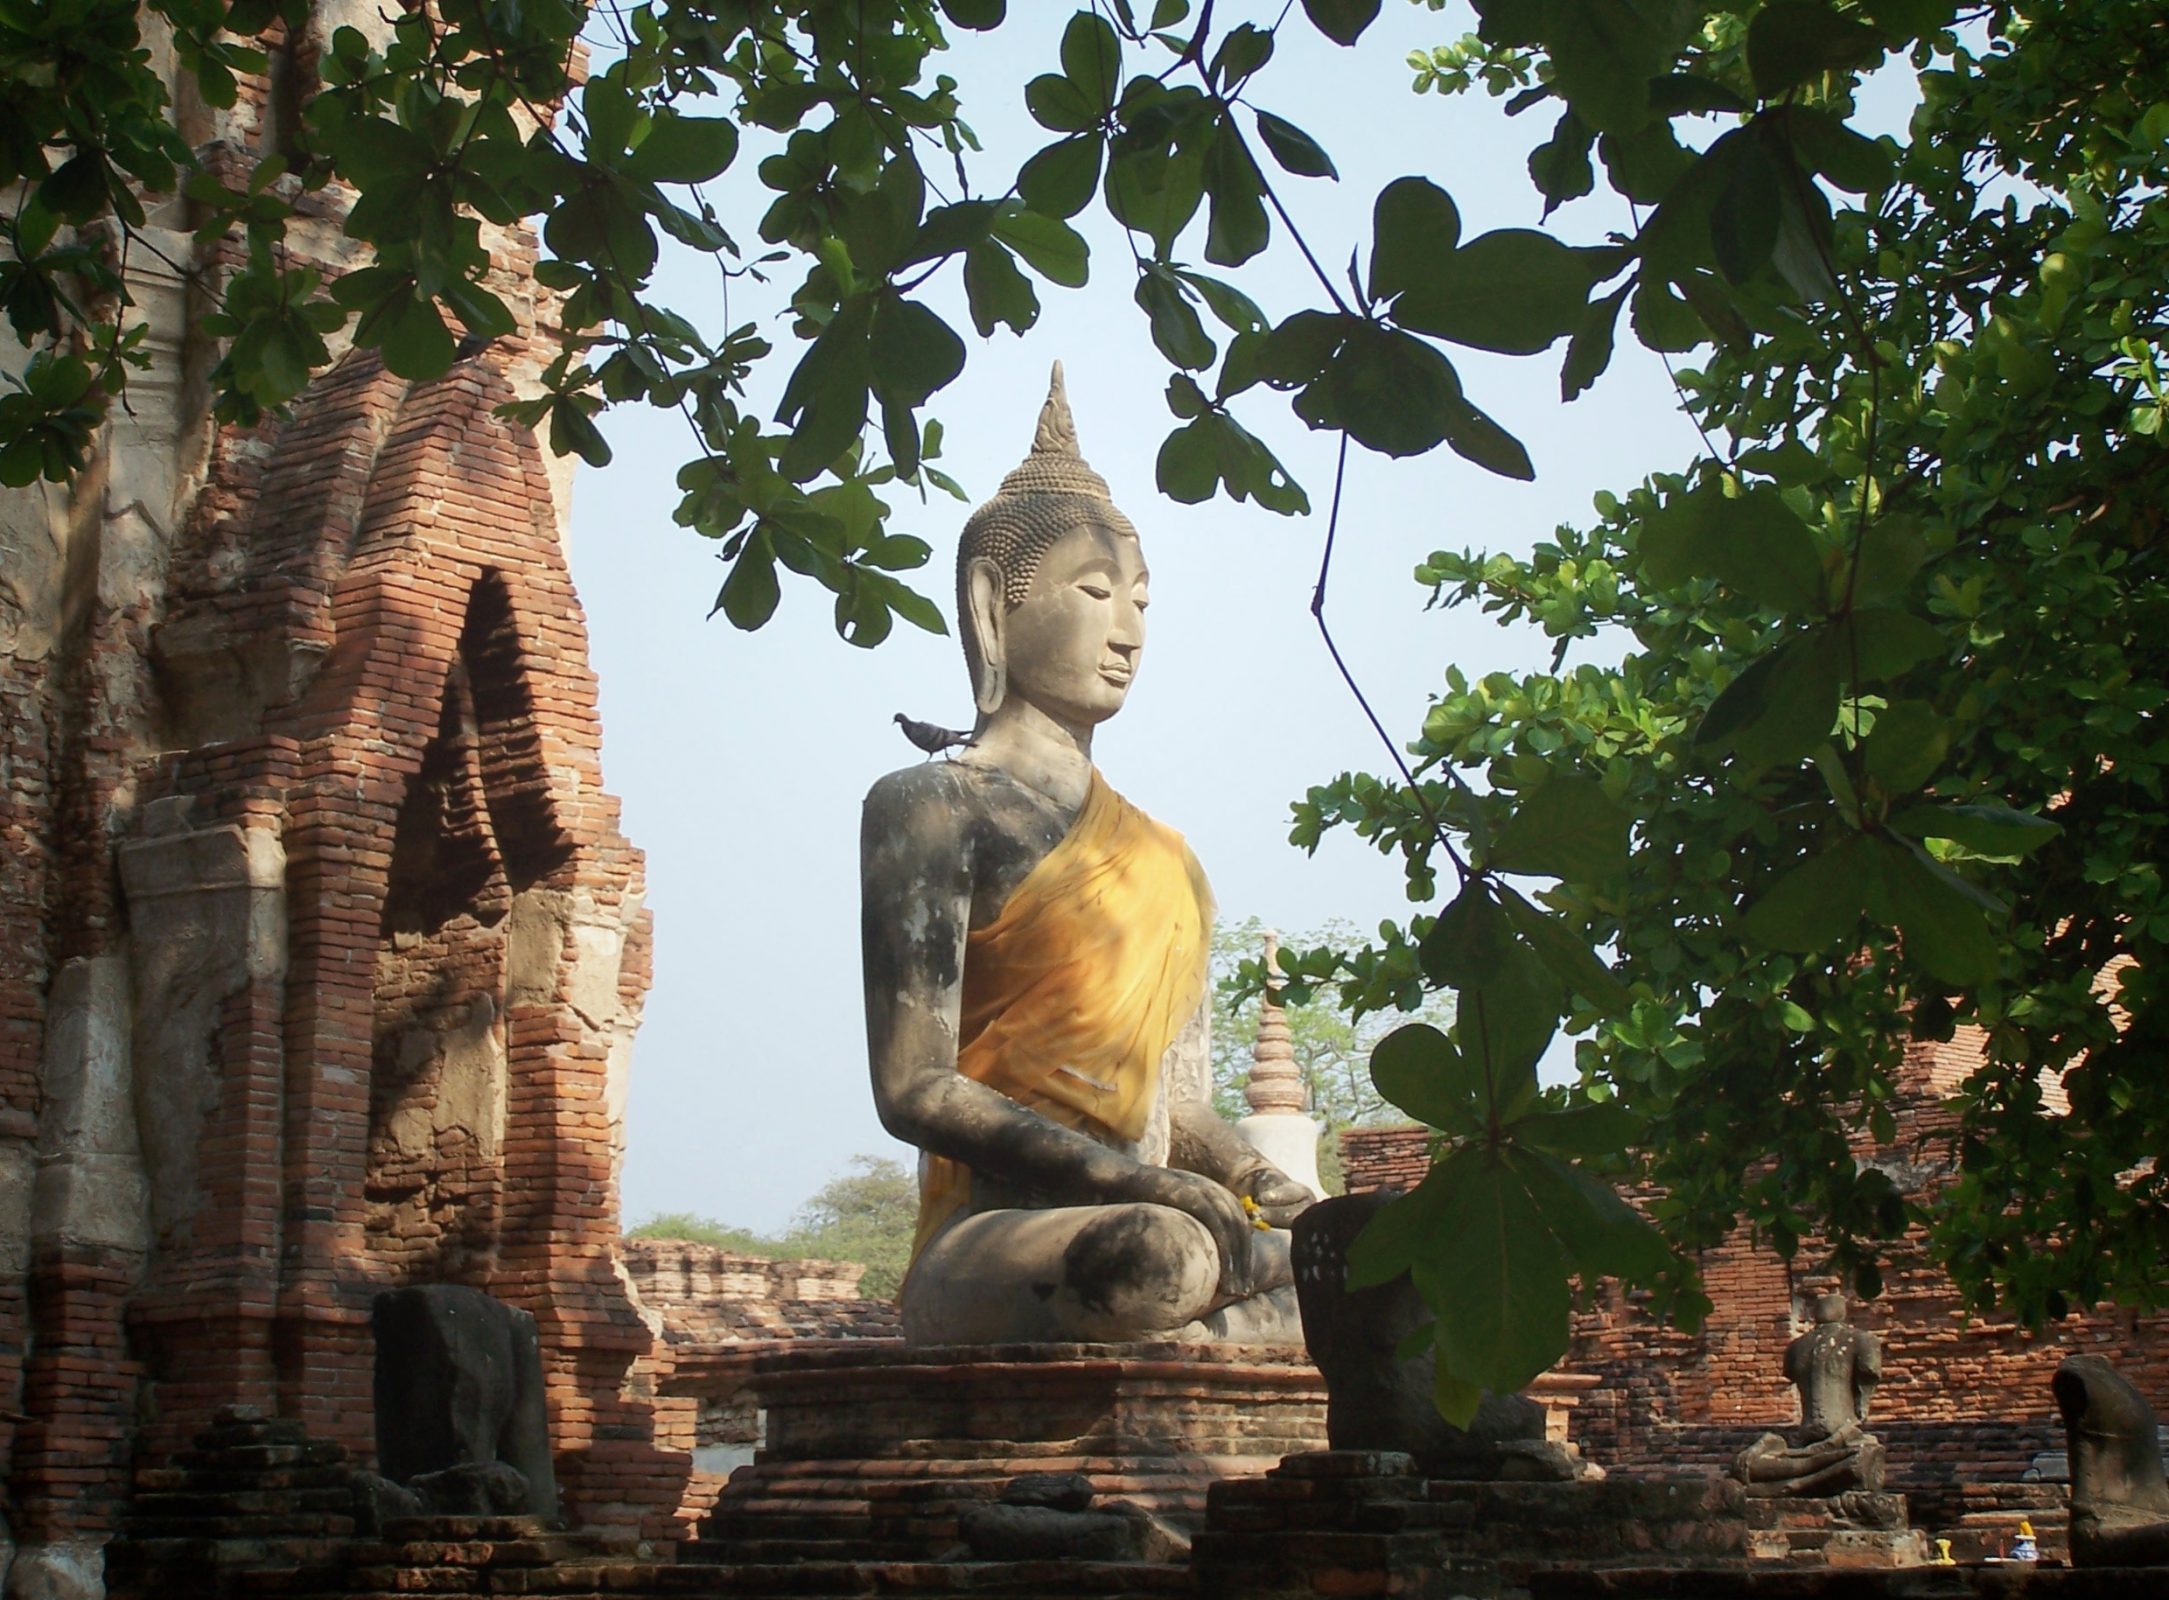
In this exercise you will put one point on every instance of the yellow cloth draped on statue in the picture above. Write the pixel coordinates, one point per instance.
(1073, 994)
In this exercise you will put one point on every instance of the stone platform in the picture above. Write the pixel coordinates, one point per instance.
(871, 1454)
(1855, 1529)
(1346, 1522)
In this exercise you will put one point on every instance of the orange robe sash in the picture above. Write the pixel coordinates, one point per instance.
(1075, 991)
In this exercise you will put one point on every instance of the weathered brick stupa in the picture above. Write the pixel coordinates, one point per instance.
(323, 953)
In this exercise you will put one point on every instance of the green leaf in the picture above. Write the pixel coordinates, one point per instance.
(750, 592)
(1092, 59)
(1512, 290)
(1567, 953)
(1602, 1128)
(483, 314)
(825, 400)
(1793, 41)
(977, 15)
(1059, 105)
(79, 190)
(1993, 833)
(572, 432)
(1295, 150)
(609, 110)
(1061, 179)
(1414, 227)
(1475, 437)
(1215, 449)
(1560, 167)
(1814, 905)
(1234, 309)
(1049, 246)
(1605, 52)
(1237, 227)
(1781, 707)
(1503, 1023)
(1907, 744)
(1662, 320)
(1177, 330)
(1457, 1400)
(948, 229)
(1568, 828)
(1402, 1231)
(412, 338)
(1744, 219)
(1497, 1281)
(1392, 392)
(1888, 642)
(1589, 352)
(1891, 551)
(680, 149)
(1242, 52)
(1417, 1068)
(1342, 21)
(996, 291)
(1752, 542)
(1470, 939)
(913, 352)
(1944, 927)
(1604, 1236)
(1851, 160)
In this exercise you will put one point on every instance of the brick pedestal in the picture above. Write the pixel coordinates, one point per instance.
(1347, 1522)
(1848, 1530)
(873, 1452)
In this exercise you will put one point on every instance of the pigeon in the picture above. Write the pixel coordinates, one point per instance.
(933, 740)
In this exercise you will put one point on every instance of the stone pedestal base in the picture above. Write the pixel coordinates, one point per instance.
(1856, 1529)
(872, 1453)
(1347, 1522)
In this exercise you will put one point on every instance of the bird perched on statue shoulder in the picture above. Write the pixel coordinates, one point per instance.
(930, 737)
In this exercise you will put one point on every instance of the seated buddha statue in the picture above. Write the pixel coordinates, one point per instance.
(1035, 966)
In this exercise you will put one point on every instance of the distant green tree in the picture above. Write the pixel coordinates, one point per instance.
(696, 1229)
(866, 1214)
(1332, 1052)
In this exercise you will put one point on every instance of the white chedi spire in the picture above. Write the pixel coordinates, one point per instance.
(1279, 1127)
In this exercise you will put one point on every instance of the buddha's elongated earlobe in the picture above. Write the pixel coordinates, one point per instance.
(984, 645)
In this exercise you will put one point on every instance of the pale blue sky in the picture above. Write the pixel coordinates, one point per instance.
(741, 758)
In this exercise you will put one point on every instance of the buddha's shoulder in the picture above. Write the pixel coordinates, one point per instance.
(927, 792)
(961, 799)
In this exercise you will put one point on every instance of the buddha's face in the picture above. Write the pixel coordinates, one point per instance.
(1072, 645)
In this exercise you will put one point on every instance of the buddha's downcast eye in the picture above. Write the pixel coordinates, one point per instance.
(1098, 591)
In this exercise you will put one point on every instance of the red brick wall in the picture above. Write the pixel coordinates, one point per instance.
(358, 645)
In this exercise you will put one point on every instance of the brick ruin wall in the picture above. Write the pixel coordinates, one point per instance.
(712, 1299)
(1962, 1400)
(323, 951)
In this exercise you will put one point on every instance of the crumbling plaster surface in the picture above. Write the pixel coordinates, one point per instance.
(70, 1569)
(91, 1188)
(207, 914)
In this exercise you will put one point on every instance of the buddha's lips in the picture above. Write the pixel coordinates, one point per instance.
(1118, 675)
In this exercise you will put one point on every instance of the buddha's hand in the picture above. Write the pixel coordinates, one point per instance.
(1221, 1211)
(1277, 1198)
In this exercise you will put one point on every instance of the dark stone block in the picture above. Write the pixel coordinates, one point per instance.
(377, 1500)
(473, 1489)
(1374, 1399)
(1058, 1491)
(459, 1385)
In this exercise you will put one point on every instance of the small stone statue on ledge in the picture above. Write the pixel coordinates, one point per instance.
(1836, 1367)
(2119, 1497)
(1035, 965)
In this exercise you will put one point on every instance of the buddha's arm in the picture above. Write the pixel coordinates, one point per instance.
(915, 910)
(1204, 1142)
